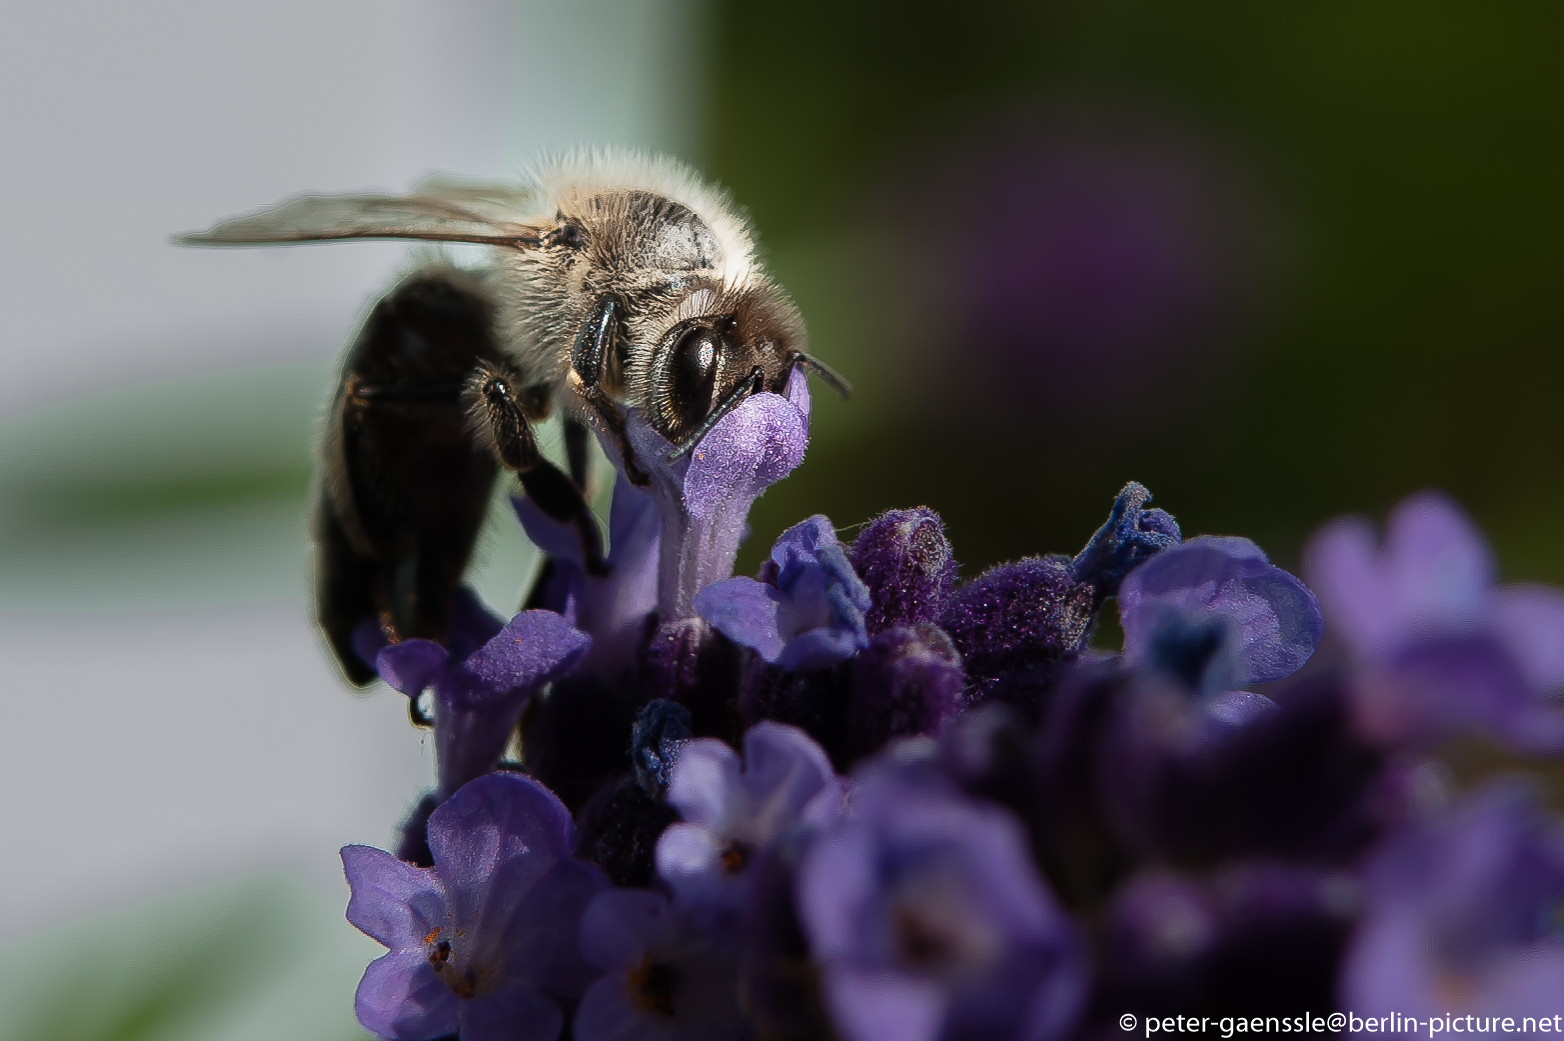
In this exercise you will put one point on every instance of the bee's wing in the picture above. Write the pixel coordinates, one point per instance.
(443, 215)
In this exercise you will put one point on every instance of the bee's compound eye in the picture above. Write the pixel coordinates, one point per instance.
(694, 373)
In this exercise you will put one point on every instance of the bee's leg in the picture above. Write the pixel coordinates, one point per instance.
(499, 418)
(578, 450)
(586, 371)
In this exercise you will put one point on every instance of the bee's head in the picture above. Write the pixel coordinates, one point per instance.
(702, 360)
(675, 312)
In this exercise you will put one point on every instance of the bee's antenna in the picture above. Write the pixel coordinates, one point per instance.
(832, 378)
(755, 382)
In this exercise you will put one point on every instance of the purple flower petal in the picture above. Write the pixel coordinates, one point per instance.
(731, 816)
(1530, 621)
(392, 902)
(705, 786)
(400, 998)
(750, 449)
(534, 648)
(703, 498)
(807, 615)
(668, 975)
(621, 925)
(412, 666)
(554, 537)
(884, 1006)
(1441, 647)
(1131, 535)
(1462, 914)
(745, 611)
(542, 932)
(924, 886)
(491, 820)
(783, 769)
(1431, 575)
(1276, 620)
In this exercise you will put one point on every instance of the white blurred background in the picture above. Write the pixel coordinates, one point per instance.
(181, 761)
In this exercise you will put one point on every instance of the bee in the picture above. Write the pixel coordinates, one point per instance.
(612, 280)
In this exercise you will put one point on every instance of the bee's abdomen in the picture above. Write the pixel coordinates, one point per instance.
(405, 488)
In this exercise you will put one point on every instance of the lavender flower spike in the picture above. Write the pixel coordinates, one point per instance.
(704, 497)
(1217, 614)
(484, 942)
(807, 614)
(479, 700)
(929, 920)
(733, 812)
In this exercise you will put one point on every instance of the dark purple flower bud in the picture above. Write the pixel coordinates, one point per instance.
(1016, 625)
(928, 919)
(1131, 535)
(668, 975)
(906, 561)
(704, 497)
(1258, 938)
(1442, 646)
(479, 699)
(660, 731)
(809, 612)
(1216, 614)
(484, 941)
(612, 607)
(733, 812)
(908, 681)
(620, 826)
(1463, 916)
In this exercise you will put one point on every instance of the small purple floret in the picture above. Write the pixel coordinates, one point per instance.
(1463, 915)
(484, 941)
(1261, 622)
(1445, 647)
(908, 681)
(611, 608)
(928, 919)
(732, 811)
(479, 699)
(704, 497)
(807, 615)
(668, 974)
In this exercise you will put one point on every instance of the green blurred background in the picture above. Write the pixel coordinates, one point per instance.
(1275, 261)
